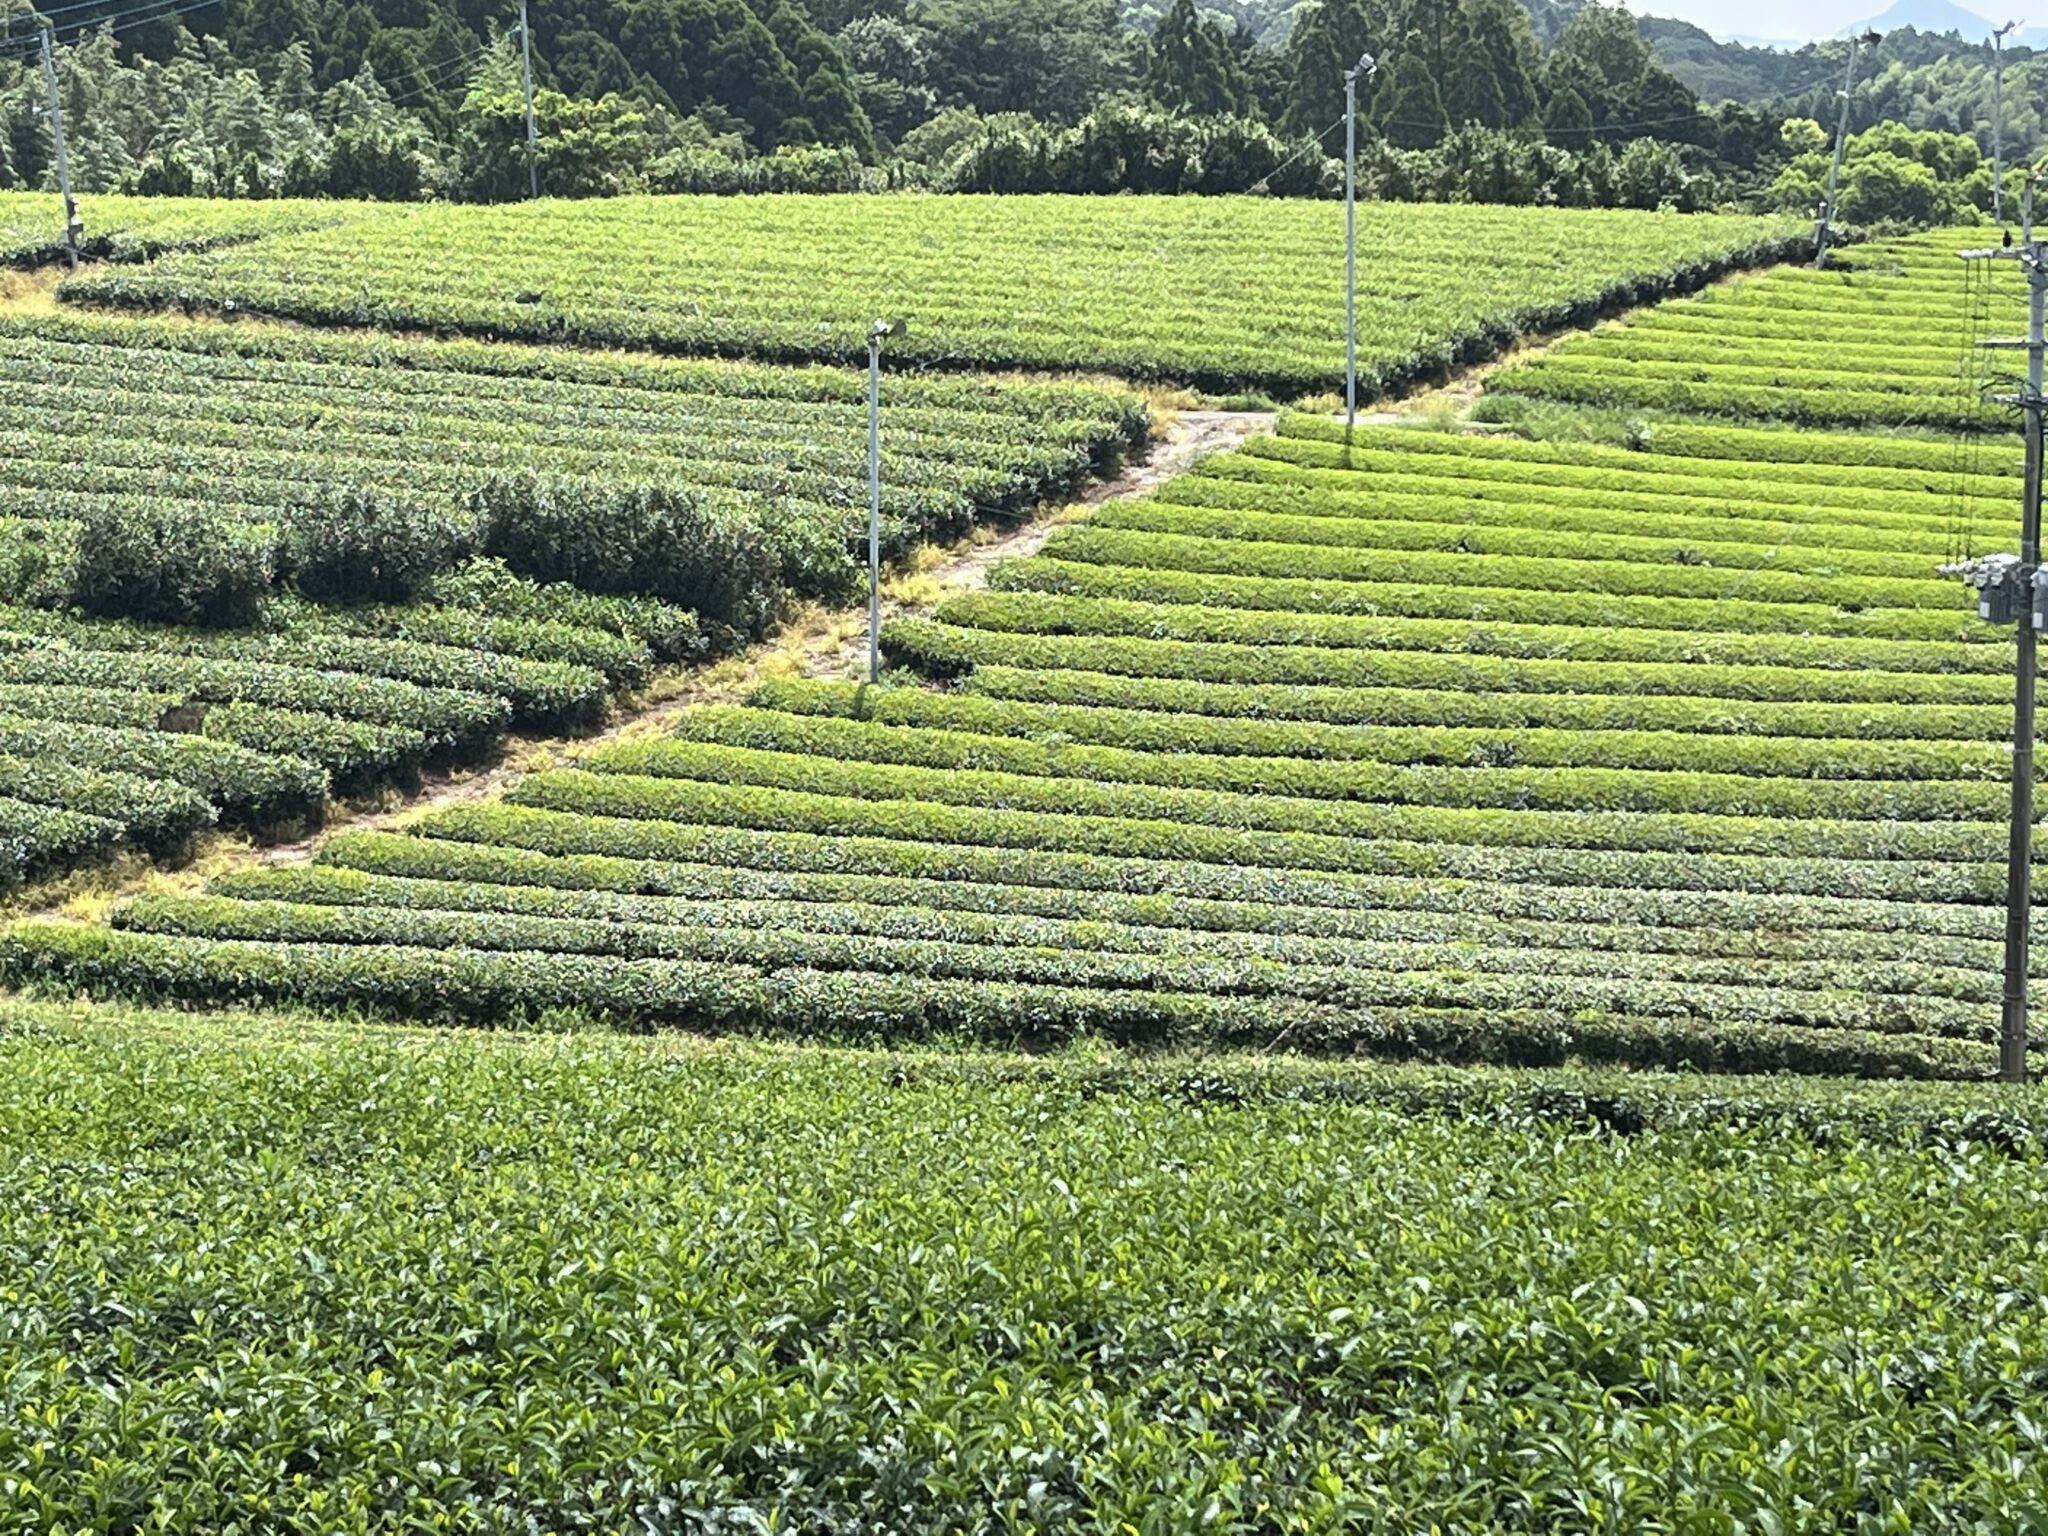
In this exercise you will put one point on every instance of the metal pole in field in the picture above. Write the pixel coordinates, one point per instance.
(2016, 588)
(1998, 122)
(880, 331)
(532, 128)
(1365, 66)
(72, 225)
(2012, 1032)
(1824, 227)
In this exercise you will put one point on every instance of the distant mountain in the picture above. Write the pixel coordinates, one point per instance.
(1935, 61)
(1717, 71)
(1936, 16)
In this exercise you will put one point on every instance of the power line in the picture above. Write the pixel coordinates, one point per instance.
(117, 22)
(1550, 133)
(49, 17)
(122, 20)
(431, 78)
(1311, 147)
(436, 76)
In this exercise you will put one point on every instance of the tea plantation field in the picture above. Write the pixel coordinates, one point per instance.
(1441, 746)
(534, 455)
(1140, 286)
(1331, 994)
(117, 736)
(1883, 337)
(121, 229)
(242, 571)
(317, 1279)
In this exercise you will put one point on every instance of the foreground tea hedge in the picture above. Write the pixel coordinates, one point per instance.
(590, 1284)
(1138, 286)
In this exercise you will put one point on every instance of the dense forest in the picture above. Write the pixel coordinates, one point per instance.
(1486, 100)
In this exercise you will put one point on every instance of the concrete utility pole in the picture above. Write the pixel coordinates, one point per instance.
(1998, 121)
(74, 227)
(880, 331)
(1824, 228)
(1366, 66)
(2016, 591)
(532, 128)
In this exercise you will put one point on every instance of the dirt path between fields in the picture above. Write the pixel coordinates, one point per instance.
(816, 643)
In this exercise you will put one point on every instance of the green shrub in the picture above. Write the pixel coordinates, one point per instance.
(154, 813)
(1415, 928)
(952, 650)
(359, 544)
(693, 820)
(38, 560)
(624, 660)
(544, 695)
(452, 722)
(669, 632)
(175, 562)
(707, 275)
(1899, 1000)
(253, 787)
(682, 546)
(36, 839)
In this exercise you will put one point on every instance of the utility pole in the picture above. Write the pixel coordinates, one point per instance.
(880, 331)
(2013, 591)
(1998, 122)
(1824, 228)
(1366, 66)
(74, 227)
(532, 128)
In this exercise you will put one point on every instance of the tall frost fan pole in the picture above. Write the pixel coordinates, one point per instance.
(1364, 66)
(73, 226)
(2012, 1034)
(879, 332)
(1998, 122)
(532, 128)
(2012, 591)
(1823, 228)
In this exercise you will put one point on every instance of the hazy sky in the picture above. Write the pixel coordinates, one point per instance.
(1797, 20)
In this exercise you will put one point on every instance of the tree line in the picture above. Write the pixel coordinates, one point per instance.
(1471, 100)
